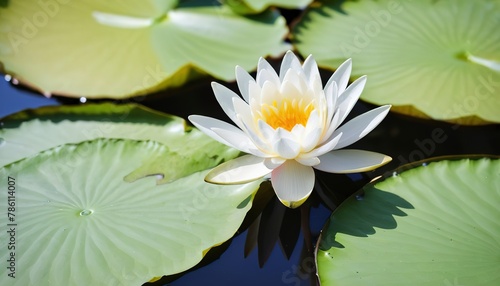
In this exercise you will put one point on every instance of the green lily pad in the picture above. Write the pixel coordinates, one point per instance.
(257, 6)
(435, 224)
(72, 219)
(437, 59)
(28, 132)
(119, 49)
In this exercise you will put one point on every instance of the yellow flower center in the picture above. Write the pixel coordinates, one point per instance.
(287, 113)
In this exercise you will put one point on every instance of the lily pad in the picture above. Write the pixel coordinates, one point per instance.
(435, 224)
(257, 6)
(74, 220)
(119, 49)
(28, 132)
(437, 59)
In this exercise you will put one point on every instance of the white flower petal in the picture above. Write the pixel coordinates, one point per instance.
(254, 92)
(291, 91)
(341, 76)
(331, 128)
(236, 139)
(287, 148)
(206, 124)
(311, 140)
(290, 61)
(292, 183)
(227, 99)
(287, 156)
(243, 114)
(361, 125)
(311, 70)
(312, 132)
(349, 97)
(224, 96)
(273, 163)
(292, 77)
(266, 131)
(264, 149)
(298, 131)
(331, 101)
(243, 79)
(312, 161)
(255, 108)
(327, 147)
(241, 170)
(351, 161)
(265, 76)
(282, 133)
(265, 72)
(270, 93)
(316, 88)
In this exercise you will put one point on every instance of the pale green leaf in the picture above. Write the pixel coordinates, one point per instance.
(78, 222)
(28, 132)
(119, 49)
(435, 224)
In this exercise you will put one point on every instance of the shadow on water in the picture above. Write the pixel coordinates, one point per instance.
(362, 213)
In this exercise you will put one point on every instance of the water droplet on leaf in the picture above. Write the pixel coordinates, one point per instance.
(86, 212)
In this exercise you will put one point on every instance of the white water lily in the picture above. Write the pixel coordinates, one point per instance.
(288, 124)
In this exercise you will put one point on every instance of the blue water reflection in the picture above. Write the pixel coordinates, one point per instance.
(13, 100)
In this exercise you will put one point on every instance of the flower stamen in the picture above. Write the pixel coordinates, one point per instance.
(286, 114)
